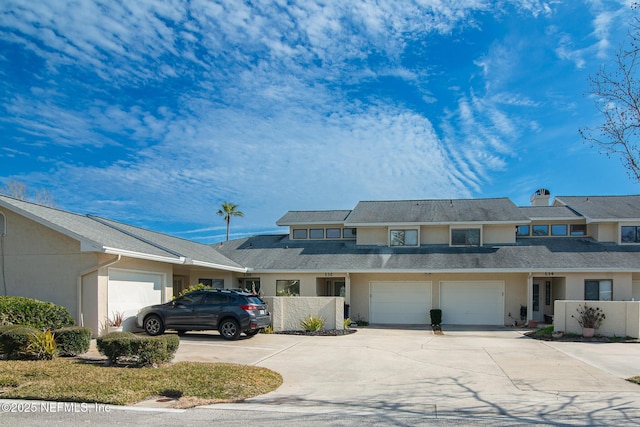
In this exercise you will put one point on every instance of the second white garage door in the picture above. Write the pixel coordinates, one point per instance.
(400, 303)
(472, 303)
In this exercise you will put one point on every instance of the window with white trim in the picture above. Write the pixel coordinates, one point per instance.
(316, 233)
(598, 290)
(578, 229)
(212, 283)
(349, 233)
(403, 237)
(629, 234)
(333, 233)
(465, 237)
(287, 288)
(558, 229)
(540, 230)
(299, 233)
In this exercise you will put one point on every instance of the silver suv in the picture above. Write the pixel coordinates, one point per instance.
(228, 311)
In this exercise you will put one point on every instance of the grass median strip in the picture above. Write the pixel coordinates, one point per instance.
(74, 380)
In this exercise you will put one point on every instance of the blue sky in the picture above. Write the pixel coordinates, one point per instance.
(154, 112)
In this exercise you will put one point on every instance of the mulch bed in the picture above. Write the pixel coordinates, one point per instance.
(577, 338)
(322, 333)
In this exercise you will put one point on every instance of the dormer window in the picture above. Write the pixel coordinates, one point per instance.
(630, 234)
(465, 237)
(403, 237)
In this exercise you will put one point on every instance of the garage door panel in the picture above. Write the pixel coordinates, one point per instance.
(400, 302)
(129, 291)
(472, 303)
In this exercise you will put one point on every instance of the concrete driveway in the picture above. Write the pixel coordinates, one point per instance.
(463, 372)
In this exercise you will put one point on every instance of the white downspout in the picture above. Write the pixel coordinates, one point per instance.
(84, 273)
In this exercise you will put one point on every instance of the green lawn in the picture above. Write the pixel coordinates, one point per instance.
(75, 380)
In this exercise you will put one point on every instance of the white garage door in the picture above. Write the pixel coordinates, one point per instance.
(130, 290)
(472, 303)
(400, 302)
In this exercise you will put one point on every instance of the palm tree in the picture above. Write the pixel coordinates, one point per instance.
(227, 211)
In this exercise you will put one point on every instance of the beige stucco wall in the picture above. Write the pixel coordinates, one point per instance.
(434, 235)
(498, 234)
(287, 312)
(308, 281)
(622, 285)
(372, 236)
(622, 317)
(606, 232)
(41, 263)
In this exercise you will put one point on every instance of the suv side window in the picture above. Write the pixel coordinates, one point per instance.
(189, 299)
(216, 299)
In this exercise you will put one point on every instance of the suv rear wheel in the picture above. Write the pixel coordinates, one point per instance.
(229, 329)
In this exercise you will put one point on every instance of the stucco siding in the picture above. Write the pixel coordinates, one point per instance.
(42, 263)
(498, 234)
(434, 235)
(372, 236)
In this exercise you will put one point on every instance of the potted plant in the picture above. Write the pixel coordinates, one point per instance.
(590, 318)
(114, 323)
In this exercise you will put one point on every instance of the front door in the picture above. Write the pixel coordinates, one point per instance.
(536, 311)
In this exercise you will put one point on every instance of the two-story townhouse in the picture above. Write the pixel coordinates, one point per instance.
(479, 260)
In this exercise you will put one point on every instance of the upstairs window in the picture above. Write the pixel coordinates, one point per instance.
(541, 230)
(333, 233)
(630, 234)
(300, 233)
(316, 233)
(465, 237)
(403, 238)
(578, 229)
(349, 233)
(522, 230)
(3, 225)
(559, 229)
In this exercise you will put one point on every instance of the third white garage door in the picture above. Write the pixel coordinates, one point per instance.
(472, 303)
(400, 302)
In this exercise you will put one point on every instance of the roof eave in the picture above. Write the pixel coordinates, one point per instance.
(142, 255)
(219, 266)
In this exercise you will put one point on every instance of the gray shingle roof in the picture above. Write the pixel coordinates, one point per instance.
(436, 211)
(603, 207)
(278, 253)
(106, 235)
(549, 212)
(313, 217)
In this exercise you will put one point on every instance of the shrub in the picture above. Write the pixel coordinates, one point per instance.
(347, 323)
(589, 317)
(73, 340)
(312, 323)
(42, 345)
(140, 350)
(31, 312)
(14, 341)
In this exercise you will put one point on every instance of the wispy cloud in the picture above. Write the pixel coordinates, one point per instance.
(167, 108)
